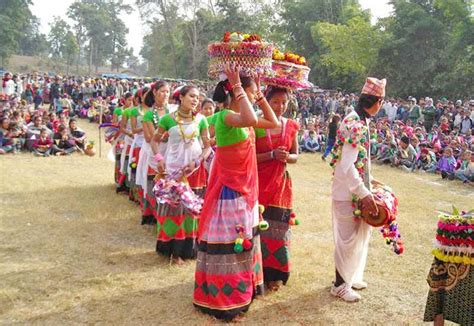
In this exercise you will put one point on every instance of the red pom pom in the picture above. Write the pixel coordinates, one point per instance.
(292, 221)
(354, 145)
(247, 244)
(292, 214)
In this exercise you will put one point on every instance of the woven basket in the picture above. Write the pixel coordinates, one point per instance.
(288, 75)
(252, 57)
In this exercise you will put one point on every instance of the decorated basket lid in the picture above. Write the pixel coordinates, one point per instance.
(248, 51)
(290, 71)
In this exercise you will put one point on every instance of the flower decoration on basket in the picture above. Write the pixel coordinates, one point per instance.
(249, 51)
(455, 237)
(173, 189)
(290, 71)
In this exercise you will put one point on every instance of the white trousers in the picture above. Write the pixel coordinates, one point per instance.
(351, 242)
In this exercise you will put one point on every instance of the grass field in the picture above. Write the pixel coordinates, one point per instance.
(72, 251)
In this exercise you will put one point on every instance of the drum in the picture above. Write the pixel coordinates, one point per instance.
(387, 205)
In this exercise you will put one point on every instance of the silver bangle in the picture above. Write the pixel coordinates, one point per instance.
(272, 155)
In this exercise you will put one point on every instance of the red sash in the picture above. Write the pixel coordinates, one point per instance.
(271, 173)
(234, 166)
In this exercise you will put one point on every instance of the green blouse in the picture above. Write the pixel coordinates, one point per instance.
(227, 135)
(167, 122)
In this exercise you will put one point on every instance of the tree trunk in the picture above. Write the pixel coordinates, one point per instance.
(91, 48)
(170, 35)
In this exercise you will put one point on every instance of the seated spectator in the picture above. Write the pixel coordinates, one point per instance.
(43, 145)
(63, 143)
(77, 134)
(311, 144)
(465, 173)
(406, 154)
(447, 164)
(426, 162)
(6, 141)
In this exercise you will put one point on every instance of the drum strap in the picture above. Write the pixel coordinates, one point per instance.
(367, 163)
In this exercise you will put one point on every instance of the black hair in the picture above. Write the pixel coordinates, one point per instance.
(150, 96)
(183, 91)
(272, 91)
(365, 102)
(71, 121)
(127, 95)
(208, 100)
(222, 95)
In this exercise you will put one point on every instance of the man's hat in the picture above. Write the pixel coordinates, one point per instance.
(374, 86)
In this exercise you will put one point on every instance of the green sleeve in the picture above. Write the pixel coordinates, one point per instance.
(203, 124)
(134, 112)
(148, 116)
(126, 112)
(211, 120)
(118, 111)
(259, 132)
(166, 122)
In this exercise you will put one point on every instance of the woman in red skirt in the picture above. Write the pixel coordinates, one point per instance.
(275, 148)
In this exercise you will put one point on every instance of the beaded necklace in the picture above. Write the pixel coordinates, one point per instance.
(187, 139)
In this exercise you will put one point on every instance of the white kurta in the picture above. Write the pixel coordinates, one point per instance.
(180, 153)
(351, 238)
(138, 140)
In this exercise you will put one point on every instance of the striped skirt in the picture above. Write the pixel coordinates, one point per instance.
(226, 282)
(176, 230)
(276, 244)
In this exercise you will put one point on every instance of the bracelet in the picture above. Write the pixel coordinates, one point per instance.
(236, 85)
(240, 96)
(197, 162)
(260, 99)
(272, 155)
(159, 157)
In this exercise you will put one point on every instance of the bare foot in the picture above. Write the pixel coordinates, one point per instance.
(177, 261)
(274, 285)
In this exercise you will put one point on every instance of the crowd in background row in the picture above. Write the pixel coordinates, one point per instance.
(415, 135)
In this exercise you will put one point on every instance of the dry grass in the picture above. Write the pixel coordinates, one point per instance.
(72, 251)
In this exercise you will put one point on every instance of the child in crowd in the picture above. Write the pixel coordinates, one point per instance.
(447, 164)
(311, 144)
(465, 173)
(63, 143)
(43, 145)
(426, 162)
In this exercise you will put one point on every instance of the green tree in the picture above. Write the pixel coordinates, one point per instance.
(15, 18)
(350, 50)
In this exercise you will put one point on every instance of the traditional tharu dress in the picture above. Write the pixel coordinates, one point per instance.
(124, 156)
(351, 159)
(451, 276)
(147, 170)
(117, 147)
(176, 227)
(134, 155)
(227, 279)
(276, 195)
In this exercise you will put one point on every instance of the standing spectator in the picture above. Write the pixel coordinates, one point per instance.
(332, 133)
(429, 114)
(55, 93)
(8, 85)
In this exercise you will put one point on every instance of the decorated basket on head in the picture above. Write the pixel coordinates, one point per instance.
(289, 71)
(247, 51)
